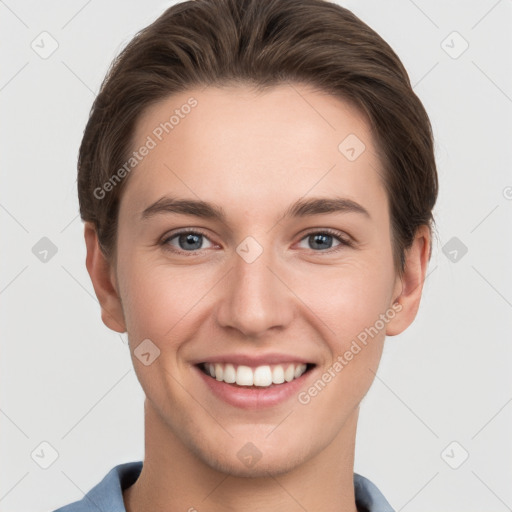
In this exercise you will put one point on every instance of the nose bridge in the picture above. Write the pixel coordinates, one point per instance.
(255, 299)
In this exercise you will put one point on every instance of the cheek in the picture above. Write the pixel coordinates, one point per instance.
(350, 306)
(163, 303)
(349, 298)
(160, 306)
(157, 299)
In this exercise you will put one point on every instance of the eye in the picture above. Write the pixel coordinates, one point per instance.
(188, 241)
(323, 240)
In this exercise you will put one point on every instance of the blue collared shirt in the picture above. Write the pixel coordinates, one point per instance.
(107, 495)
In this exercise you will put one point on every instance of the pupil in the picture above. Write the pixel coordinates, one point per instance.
(191, 239)
(320, 237)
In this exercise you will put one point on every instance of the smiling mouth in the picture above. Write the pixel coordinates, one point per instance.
(263, 376)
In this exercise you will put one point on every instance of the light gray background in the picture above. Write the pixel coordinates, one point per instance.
(67, 380)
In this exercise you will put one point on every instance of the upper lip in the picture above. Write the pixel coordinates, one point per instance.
(254, 360)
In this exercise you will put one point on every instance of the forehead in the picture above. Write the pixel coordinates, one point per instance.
(236, 142)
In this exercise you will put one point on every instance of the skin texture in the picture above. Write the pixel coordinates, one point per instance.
(253, 154)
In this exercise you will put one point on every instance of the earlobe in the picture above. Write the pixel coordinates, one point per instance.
(411, 283)
(101, 274)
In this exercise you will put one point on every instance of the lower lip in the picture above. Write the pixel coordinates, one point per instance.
(246, 397)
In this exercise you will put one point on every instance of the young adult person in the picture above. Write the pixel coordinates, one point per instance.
(257, 179)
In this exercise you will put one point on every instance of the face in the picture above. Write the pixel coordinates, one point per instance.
(256, 284)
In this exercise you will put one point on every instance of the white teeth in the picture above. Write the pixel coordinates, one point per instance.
(244, 376)
(261, 376)
(299, 370)
(219, 371)
(278, 374)
(289, 373)
(229, 374)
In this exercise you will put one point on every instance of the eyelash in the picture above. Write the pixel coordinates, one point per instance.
(344, 242)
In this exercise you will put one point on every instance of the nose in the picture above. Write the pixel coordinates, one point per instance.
(255, 297)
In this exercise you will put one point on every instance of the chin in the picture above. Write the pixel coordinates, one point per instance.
(270, 464)
(242, 457)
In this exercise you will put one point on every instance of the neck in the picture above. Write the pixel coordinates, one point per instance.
(174, 478)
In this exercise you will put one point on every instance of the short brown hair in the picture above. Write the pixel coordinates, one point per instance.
(263, 43)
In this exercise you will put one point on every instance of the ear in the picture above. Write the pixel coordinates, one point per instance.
(409, 287)
(104, 281)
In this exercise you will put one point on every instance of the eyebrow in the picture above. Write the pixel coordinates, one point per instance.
(206, 210)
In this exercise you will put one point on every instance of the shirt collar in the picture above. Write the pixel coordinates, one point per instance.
(107, 495)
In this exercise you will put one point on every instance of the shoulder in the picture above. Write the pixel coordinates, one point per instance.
(107, 495)
(368, 496)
